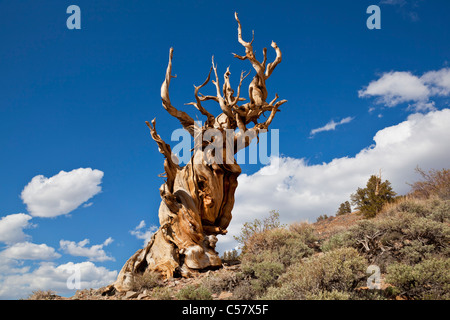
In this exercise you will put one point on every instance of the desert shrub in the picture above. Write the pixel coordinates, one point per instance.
(307, 233)
(276, 245)
(412, 206)
(366, 237)
(284, 291)
(415, 251)
(42, 295)
(266, 273)
(434, 209)
(260, 276)
(429, 279)
(409, 239)
(410, 231)
(434, 183)
(329, 295)
(338, 240)
(191, 292)
(162, 293)
(440, 210)
(406, 227)
(224, 281)
(428, 232)
(147, 280)
(364, 294)
(339, 270)
(246, 290)
(257, 226)
(267, 255)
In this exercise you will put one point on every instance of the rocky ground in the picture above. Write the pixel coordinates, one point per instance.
(167, 290)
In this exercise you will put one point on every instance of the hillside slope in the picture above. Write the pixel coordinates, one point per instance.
(408, 243)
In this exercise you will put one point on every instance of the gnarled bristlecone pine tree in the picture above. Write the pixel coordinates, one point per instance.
(197, 199)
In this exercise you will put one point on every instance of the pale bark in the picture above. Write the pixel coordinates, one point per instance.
(198, 198)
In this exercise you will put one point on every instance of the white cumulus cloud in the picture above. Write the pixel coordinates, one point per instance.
(438, 81)
(49, 276)
(397, 87)
(29, 251)
(62, 193)
(394, 88)
(300, 191)
(80, 249)
(11, 227)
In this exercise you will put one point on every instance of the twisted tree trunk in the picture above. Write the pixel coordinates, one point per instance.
(197, 199)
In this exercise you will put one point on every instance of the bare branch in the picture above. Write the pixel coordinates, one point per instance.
(206, 81)
(206, 98)
(198, 105)
(275, 99)
(271, 66)
(216, 83)
(239, 89)
(265, 57)
(249, 54)
(186, 121)
(227, 90)
(226, 110)
(171, 161)
(266, 124)
(241, 41)
(239, 57)
(166, 83)
(239, 111)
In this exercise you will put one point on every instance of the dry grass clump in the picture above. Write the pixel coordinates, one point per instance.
(42, 295)
(148, 280)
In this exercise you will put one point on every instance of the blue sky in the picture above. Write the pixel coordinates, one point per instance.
(359, 100)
